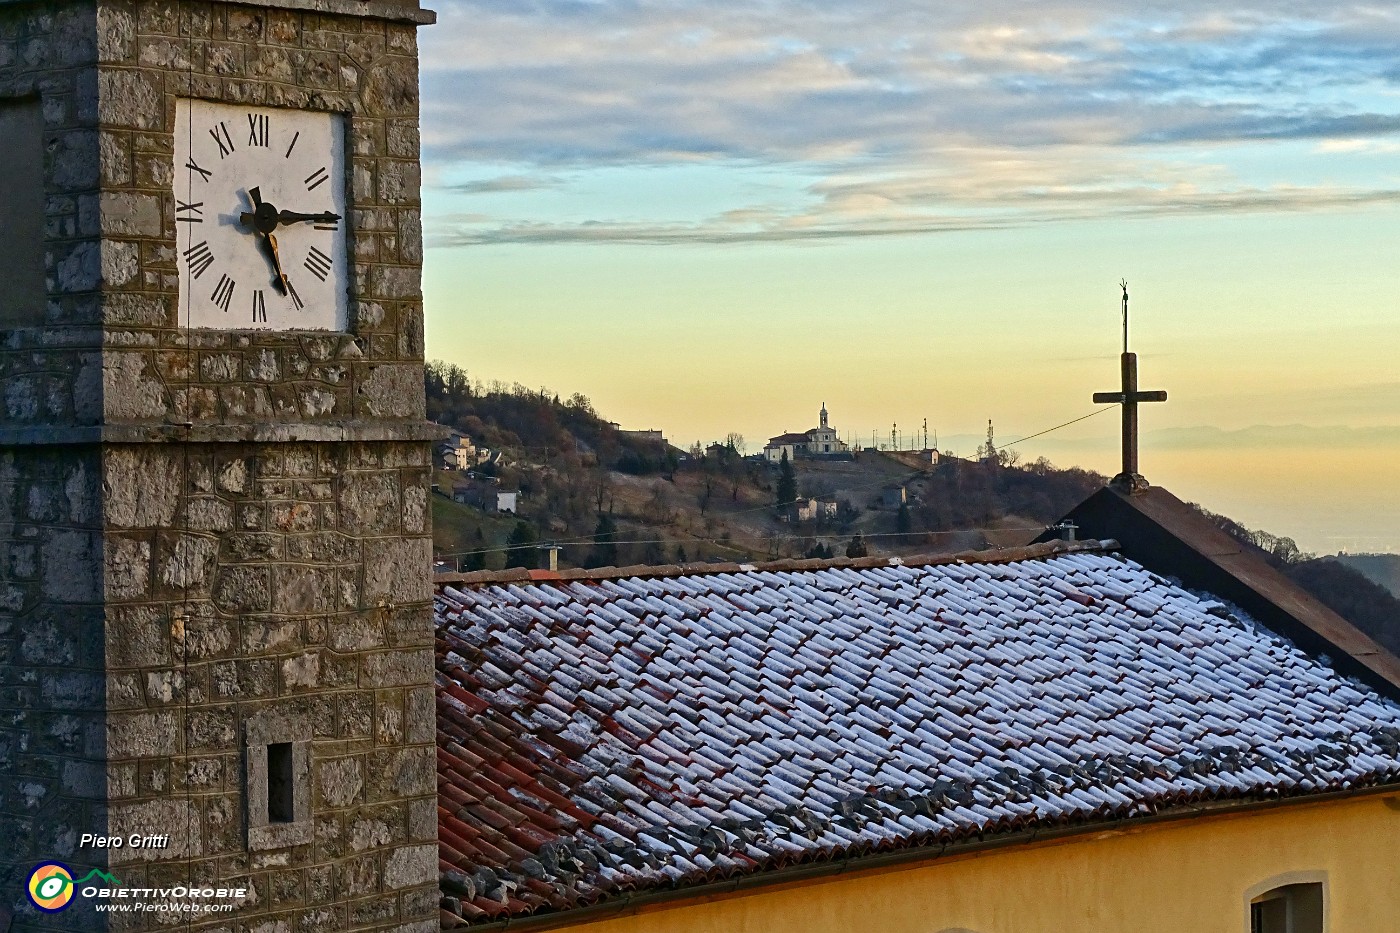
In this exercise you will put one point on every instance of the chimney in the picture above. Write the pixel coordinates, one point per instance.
(1066, 529)
(552, 557)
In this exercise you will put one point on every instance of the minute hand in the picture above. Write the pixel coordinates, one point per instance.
(292, 217)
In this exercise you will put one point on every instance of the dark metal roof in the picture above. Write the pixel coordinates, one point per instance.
(649, 733)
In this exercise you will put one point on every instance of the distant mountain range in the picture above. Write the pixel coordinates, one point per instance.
(1207, 437)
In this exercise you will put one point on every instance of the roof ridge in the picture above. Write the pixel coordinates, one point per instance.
(989, 556)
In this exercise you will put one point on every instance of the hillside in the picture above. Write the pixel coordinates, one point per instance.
(1381, 569)
(606, 498)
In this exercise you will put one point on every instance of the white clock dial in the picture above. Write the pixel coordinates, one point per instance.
(260, 216)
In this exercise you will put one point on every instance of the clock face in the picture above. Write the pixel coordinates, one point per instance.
(260, 217)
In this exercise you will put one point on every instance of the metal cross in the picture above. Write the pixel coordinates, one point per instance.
(1129, 397)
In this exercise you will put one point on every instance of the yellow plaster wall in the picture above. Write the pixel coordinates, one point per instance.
(1181, 877)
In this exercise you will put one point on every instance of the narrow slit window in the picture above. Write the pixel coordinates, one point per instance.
(280, 783)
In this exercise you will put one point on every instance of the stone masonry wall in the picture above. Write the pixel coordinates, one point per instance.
(284, 584)
(167, 592)
(53, 738)
(51, 373)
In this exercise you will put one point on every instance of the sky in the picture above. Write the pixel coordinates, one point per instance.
(715, 217)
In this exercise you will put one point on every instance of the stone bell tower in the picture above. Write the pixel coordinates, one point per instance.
(215, 629)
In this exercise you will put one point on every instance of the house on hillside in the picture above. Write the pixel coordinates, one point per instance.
(812, 510)
(1151, 735)
(647, 435)
(455, 452)
(485, 493)
(815, 443)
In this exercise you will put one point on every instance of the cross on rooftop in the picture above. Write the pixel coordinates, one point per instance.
(1129, 397)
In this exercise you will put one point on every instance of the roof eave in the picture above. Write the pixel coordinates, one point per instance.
(619, 906)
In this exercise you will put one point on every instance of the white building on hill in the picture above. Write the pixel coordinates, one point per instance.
(817, 442)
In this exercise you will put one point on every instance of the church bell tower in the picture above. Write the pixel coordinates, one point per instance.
(215, 632)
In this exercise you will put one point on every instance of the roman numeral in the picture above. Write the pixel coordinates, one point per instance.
(225, 141)
(259, 308)
(223, 292)
(199, 258)
(189, 213)
(202, 171)
(325, 227)
(258, 127)
(317, 178)
(318, 264)
(295, 137)
(296, 299)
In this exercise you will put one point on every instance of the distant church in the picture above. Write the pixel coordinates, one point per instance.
(817, 442)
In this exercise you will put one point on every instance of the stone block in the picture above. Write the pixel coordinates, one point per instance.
(397, 570)
(303, 589)
(404, 668)
(396, 773)
(177, 817)
(369, 502)
(129, 213)
(422, 715)
(130, 389)
(128, 567)
(339, 782)
(130, 98)
(142, 735)
(69, 559)
(212, 729)
(301, 672)
(138, 637)
(239, 589)
(187, 562)
(410, 865)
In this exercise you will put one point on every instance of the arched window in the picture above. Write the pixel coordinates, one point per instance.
(1293, 903)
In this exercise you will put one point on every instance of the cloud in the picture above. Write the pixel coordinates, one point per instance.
(502, 183)
(914, 113)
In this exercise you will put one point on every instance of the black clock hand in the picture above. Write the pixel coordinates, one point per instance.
(292, 217)
(283, 284)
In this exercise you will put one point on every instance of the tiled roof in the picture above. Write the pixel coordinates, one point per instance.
(643, 733)
(784, 439)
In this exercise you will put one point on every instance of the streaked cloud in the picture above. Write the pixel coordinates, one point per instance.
(919, 118)
(502, 183)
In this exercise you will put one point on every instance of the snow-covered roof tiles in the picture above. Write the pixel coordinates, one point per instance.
(640, 733)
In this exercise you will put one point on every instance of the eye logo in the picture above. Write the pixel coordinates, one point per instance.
(51, 887)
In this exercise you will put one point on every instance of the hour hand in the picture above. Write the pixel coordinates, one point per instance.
(292, 217)
(270, 242)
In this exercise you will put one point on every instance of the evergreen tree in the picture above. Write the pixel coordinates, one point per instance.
(787, 484)
(604, 552)
(857, 548)
(681, 557)
(903, 523)
(820, 551)
(521, 547)
(476, 559)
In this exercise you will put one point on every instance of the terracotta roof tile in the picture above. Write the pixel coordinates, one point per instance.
(679, 725)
